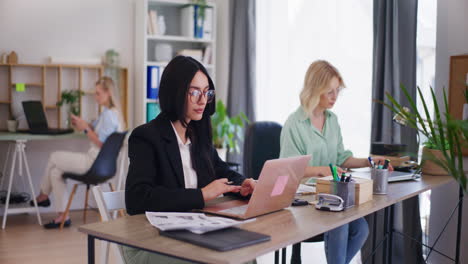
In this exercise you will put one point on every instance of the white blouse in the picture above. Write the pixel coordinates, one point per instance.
(190, 175)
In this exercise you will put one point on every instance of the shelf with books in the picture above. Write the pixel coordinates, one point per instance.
(165, 29)
(45, 83)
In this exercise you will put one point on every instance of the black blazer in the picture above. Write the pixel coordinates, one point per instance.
(155, 180)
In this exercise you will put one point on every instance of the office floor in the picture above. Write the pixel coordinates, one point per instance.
(24, 241)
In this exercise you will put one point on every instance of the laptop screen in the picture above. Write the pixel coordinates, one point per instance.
(35, 115)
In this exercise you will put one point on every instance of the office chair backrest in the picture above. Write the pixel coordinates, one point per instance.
(262, 143)
(108, 202)
(105, 165)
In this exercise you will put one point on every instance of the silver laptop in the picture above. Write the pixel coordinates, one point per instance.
(396, 176)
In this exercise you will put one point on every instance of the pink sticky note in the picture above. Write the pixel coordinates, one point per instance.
(280, 184)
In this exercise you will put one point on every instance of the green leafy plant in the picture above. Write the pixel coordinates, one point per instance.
(444, 131)
(431, 144)
(71, 98)
(227, 131)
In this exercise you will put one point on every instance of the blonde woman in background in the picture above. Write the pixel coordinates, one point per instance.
(109, 121)
(314, 129)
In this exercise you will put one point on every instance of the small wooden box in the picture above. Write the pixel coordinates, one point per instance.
(363, 191)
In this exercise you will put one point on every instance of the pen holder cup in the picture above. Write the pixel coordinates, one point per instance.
(380, 178)
(345, 190)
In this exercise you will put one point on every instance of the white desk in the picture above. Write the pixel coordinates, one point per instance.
(19, 153)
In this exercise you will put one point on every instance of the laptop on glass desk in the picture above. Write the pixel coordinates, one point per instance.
(274, 190)
(37, 121)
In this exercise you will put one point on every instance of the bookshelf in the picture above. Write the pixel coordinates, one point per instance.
(45, 82)
(145, 45)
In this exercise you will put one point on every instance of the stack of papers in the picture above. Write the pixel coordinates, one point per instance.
(305, 190)
(197, 223)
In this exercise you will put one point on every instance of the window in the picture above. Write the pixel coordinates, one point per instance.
(291, 35)
(425, 49)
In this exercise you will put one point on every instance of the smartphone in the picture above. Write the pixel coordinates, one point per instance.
(299, 202)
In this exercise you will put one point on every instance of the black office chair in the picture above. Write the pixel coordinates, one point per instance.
(262, 143)
(103, 169)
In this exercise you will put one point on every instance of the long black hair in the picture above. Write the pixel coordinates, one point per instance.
(173, 91)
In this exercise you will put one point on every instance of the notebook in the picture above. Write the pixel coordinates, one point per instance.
(219, 240)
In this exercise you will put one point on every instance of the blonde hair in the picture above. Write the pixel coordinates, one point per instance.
(316, 82)
(107, 85)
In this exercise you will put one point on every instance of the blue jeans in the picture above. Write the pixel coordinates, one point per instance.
(342, 243)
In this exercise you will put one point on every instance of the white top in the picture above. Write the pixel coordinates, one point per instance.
(190, 175)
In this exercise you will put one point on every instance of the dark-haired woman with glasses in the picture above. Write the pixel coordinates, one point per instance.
(173, 164)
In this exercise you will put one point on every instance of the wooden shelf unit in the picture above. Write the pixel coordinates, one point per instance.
(52, 79)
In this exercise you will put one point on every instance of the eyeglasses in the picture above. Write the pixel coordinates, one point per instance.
(195, 96)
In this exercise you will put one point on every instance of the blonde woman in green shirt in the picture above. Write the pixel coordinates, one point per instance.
(314, 129)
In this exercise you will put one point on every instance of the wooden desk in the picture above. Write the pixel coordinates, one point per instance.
(285, 227)
(19, 153)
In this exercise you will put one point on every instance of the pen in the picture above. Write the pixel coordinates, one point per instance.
(370, 161)
(337, 176)
(348, 179)
(332, 171)
(385, 166)
(343, 175)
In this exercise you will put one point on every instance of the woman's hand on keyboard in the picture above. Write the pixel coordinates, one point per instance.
(247, 186)
(218, 187)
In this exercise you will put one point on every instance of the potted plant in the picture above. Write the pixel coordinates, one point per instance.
(227, 131)
(71, 99)
(445, 133)
(431, 149)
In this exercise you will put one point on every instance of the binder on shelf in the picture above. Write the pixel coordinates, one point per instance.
(208, 24)
(198, 31)
(187, 25)
(152, 82)
(152, 111)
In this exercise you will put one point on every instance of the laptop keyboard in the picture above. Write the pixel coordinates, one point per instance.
(238, 210)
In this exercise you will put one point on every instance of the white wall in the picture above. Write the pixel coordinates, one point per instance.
(452, 39)
(66, 29)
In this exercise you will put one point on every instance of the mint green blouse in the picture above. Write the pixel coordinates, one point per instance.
(300, 137)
